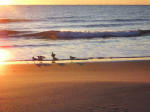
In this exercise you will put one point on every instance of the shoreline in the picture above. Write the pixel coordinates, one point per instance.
(83, 60)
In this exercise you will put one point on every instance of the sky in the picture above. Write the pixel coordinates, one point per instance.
(75, 2)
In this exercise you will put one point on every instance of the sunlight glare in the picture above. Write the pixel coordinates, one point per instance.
(4, 55)
(4, 2)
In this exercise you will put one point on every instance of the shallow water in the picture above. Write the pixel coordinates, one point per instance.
(76, 61)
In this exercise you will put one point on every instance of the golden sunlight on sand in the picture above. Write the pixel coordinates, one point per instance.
(116, 86)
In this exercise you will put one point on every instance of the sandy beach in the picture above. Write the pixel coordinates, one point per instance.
(118, 86)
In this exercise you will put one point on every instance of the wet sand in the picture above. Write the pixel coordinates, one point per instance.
(122, 86)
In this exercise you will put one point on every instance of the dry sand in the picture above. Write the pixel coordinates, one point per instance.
(83, 87)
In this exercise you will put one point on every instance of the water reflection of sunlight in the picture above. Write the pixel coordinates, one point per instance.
(5, 2)
(4, 55)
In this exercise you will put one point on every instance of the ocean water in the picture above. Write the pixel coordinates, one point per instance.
(80, 31)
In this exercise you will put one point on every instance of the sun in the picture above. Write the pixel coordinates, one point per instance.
(4, 55)
(5, 2)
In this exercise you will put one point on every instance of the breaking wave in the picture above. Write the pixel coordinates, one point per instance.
(68, 35)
